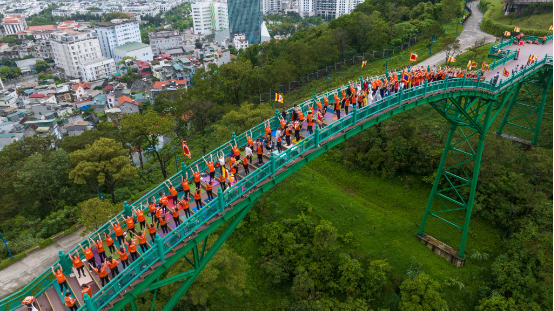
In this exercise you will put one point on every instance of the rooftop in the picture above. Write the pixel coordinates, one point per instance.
(96, 61)
(133, 46)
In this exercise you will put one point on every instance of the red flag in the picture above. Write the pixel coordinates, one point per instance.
(186, 151)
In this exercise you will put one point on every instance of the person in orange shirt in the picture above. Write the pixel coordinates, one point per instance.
(185, 184)
(249, 140)
(123, 256)
(165, 229)
(211, 169)
(283, 125)
(209, 191)
(297, 130)
(172, 191)
(196, 175)
(163, 202)
(109, 241)
(300, 116)
(129, 221)
(132, 243)
(176, 218)
(267, 127)
(346, 104)
(244, 165)
(60, 277)
(186, 207)
(222, 180)
(89, 256)
(152, 207)
(260, 151)
(78, 264)
(287, 135)
(99, 247)
(86, 289)
(236, 151)
(117, 230)
(140, 217)
(198, 197)
(70, 301)
(326, 102)
(152, 231)
(337, 106)
(112, 264)
(310, 118)
(102, 273)
(29, 302)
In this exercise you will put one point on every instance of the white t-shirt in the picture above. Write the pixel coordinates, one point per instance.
(248, 151)
(278, 134)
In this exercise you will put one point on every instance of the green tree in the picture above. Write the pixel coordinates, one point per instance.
(149, 127)
(116, 15)
(104, 162)
(41, 66)
(95, 212)
(6, 72)
(421, 293)
(237, 79)
(302, 285)
(351, 274)
(497, 303)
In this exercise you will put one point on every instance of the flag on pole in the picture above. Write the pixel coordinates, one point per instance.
(224, 172)
(505, 73)
(405, 77)
(364, 63)
(485, 67)
(517, 29)
(186, 150)
(507, 33)
(451, 59)
(550, 27)
(522, 42)
(413, 57)
(471, 64)
(278, 98)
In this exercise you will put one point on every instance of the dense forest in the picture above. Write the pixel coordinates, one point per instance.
(296, 256)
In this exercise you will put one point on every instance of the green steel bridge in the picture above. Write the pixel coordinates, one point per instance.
(469, 106)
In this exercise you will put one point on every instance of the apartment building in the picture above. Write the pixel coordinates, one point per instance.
(209, 16)
(13, 24)
(163, 40)
(100, 68)
(240, 41)
(115, 33)
(272, 6)
(71, 48)
(326, 9)
(136, 50)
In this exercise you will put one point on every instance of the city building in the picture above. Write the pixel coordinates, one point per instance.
(115, 33)
(209, 17)
(13, 24)
(245, 16)
(346, 7)
(272, 7)
(71, 48)
(326, 9)
(240, 41)
(163, 40)
(136, 50)
(100, 68)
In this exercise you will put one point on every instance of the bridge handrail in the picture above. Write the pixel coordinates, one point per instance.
(494, 48)
(176, 236)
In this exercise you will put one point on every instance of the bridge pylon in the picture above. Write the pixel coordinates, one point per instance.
(525, 110)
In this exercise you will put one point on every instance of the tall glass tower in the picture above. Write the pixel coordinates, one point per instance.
(245, 16)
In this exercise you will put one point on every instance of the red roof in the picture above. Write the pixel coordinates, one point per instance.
(108, 87)
(36, 95)
(160, 84)
(233, 56)
(43, 27)
(122, 99)
(85, 86)
(142, 64)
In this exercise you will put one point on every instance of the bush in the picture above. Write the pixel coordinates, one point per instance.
(496, 28)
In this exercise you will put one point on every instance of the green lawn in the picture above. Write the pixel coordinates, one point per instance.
(537, 21)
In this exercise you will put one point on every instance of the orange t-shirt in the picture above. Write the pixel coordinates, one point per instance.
(86, 290)
(151, 228)
(122, 255)
(197, 195)
(267, 129)
(236, 150)
(283, 124)
(118, 230)
(209, 186)
(60, 277)
(109, 240)
(99, 247)
(88, 253)
(133, 245)
(250, 142)
(175, 214)
(142, 239)
(69, 301)
(196, 177)
(130, 223)
(140, 215)
(310, 120)
(163, 221)
(101, 270)
(185, 185)
(245, 161)
(173, 191)
(112, 264)
(221, 178)
(326, 100)
(211, 167)
(260, 151)
(77, 263)
(185, 204)
(300, 116)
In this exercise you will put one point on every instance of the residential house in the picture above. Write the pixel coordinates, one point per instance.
(167, 86)
(77, 128)
(128, 105)
(80, 89)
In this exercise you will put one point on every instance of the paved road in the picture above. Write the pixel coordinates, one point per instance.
(468, 37)
(24, 271)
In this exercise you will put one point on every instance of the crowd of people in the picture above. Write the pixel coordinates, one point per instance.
(354, 95)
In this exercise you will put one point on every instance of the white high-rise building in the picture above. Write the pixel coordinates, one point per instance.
(101, 68)
(346, 6)
(71, 48)
(115, 33)
(209, 16)
(271, 7)
(307, 7)
(13, 24)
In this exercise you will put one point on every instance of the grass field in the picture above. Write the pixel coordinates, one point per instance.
(536, 21)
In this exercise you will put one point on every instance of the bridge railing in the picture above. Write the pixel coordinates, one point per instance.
(494, 48)
(158, 251)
